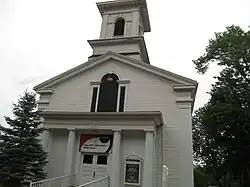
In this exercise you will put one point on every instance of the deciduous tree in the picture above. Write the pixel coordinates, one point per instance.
(222, 127)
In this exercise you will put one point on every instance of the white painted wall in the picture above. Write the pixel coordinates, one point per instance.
(133, 143)
(145, 93)
(57, 155)
(158, 156)
(131, 16)
(125, 48)
(77, 156)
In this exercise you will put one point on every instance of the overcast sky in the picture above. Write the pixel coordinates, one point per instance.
(42, 38)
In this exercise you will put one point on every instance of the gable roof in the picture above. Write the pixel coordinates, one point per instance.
(177, 79)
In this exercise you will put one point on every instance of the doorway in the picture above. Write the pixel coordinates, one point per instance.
(93, 166)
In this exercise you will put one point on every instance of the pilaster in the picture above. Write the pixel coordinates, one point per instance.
(69, 156)
(46, 140)
(116, 160)
(148, 160)
(104, 26)
(185, 103)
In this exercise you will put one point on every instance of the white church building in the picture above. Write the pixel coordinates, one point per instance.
(116, 120)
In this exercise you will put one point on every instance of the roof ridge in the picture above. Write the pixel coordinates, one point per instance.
(130, 61)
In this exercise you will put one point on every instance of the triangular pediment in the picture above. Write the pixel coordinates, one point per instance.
(169, 76)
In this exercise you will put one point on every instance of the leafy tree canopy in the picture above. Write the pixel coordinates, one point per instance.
(221, 128)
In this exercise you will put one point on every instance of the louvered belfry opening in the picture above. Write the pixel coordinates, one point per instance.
(119, 27)
(108, 93)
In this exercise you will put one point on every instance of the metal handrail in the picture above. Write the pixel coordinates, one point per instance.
(34, 184)
(92, 182)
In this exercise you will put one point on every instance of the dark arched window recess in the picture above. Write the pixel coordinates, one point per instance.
(108, 96)
(119, 27)
(108, 93)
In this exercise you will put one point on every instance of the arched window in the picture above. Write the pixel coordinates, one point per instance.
(108, 93)
(119, 27)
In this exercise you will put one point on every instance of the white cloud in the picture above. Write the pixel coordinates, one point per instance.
(39, 39)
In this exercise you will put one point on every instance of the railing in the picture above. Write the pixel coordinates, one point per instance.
(67, 180)
(102, 182)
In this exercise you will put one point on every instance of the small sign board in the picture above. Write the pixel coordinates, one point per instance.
(132, 171)
(95, 143)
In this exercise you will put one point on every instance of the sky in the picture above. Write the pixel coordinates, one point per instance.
(42, 38)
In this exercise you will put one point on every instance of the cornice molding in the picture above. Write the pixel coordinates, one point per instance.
(149, 130)
(180, 87)
(43, 102)
(123, 81)
(121, 58)
(153, 117)
(117, 130)
(47, 91)
(184, 100)
(71, 129)
(123, 40)
(186, 88)
(97, 83)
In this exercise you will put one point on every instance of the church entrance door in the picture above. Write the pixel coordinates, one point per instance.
(93, 166)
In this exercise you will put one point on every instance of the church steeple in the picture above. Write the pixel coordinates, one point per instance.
(123, 25)
(133, 13)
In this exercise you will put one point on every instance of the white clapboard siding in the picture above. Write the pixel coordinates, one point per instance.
(145, 92)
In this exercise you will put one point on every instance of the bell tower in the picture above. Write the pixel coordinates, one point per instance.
(124, 23)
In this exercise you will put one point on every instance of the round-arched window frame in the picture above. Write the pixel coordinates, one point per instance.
(119, 27)
(108, 93)
(110, 77)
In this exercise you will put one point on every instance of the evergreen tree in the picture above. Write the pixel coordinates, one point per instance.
(22, 158)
